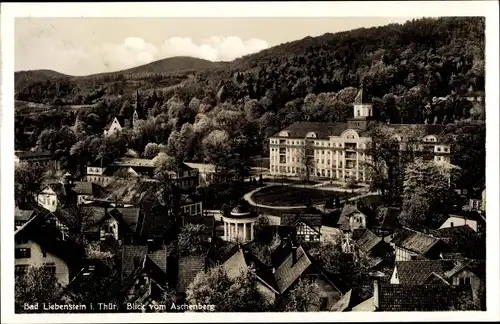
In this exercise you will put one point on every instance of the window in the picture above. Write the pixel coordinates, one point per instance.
(413, 257)
(467, 281)
(44, 253)
(358, 113)
(53, 202)
(451, 224)
(22, 253)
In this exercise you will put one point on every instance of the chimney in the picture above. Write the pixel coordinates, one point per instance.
(375, 293)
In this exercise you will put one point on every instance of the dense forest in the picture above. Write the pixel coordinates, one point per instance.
(418, 72)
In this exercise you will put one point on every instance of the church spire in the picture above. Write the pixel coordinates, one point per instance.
(135, 116)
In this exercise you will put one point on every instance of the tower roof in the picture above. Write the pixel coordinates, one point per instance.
(361, 97)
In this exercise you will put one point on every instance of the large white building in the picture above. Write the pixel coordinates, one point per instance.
(338, 150)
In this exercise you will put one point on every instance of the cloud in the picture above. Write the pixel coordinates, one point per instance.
(215, 48)
(68, 57)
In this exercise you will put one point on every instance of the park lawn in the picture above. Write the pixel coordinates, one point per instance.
(295, 196)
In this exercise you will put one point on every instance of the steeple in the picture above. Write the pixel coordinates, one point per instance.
(362, 107)
(135, 116)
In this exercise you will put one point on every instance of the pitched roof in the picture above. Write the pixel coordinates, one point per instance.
(189, 267)
(343, 304)
(50, 239)
(414, 241)
(132, 255)
(85, 188)
(478, 267)
(22, 214)
(156, 223)
(366, 306)
(472, 215)
(288, 272)
(463, 239)
(130, 216)
(323, 130)
(368, 241)
(421, 297)
(416, 272)
(159, 257)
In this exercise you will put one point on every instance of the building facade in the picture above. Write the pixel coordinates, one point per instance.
(337, 151)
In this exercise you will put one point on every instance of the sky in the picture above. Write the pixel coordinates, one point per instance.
(83, 46)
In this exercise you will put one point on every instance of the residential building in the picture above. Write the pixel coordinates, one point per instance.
(413, 245)
(354, 217)
(419, 298)
(289, 264)
(38, 245)
(109, 223)
(36, 158)
(104, 172)
(337, 151)
(85, 191)
(372, 248)
(306, 225)
(456, 272)
(463, 240)
(470, 218)
(55, 195)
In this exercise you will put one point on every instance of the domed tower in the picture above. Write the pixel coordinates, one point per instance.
(239, 224)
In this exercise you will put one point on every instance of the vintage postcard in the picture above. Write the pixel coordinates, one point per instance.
(235, 161)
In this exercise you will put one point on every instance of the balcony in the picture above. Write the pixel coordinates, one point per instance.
(350, 156)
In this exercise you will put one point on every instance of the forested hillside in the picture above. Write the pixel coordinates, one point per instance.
(419, 72)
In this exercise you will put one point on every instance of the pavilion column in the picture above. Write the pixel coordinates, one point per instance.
(236, 231)
(251, 231)
(244, 232)
(225, 231)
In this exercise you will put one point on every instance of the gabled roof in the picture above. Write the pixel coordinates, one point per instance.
(416, 272)
(478, 267)
(132, 255)
(288, 272)
(414, 241)
(463, 239)
(156, 224)
(22, 214)
(435, 279)
(50, 239)
(348, 301)
(86, 188)
(368, 241)
(422, 297)
(471, 215)
(189, 267)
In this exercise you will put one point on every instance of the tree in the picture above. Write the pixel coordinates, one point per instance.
(127, 109)
(28, 179)
(228, 294)
(304, 297)
(37, 285)
(339, 264)
(191, 239)
(151, 150)
(306, 161)
(428, 195)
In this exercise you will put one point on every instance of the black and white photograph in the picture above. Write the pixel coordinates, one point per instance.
(232, 164)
